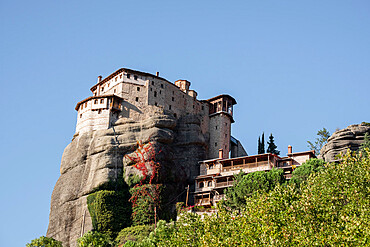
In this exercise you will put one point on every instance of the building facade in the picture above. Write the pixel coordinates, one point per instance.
(218, 174)
(137, 95)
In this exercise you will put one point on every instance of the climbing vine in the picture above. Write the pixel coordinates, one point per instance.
(145, 195)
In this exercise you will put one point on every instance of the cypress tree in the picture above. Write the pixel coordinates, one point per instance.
(259, 145)
(271, 146)
(263, 143)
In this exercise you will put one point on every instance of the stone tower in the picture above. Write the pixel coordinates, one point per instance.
(220, 120)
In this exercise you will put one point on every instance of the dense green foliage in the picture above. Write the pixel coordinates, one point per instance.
(301, 173)
(134, 233)
(331, 208)
(44, 242)
(247, 184)
(109, 210)
(322, 137)
(95, 239)
(272, 148)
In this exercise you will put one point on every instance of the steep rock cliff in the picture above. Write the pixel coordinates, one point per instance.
(95, 158)
(349, 138)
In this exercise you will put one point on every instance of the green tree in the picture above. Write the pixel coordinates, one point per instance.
(44, 242)
(247, 184)
(261, 144)
(272, 148)
(95, 239)
(321, 139)
(301, 173)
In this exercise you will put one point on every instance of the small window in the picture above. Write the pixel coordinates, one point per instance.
(169, 107)
(95, 101)
(137, 99)
(175, 115)
(155, 93)
(108, 84)
(82, 106)
(193, 106)
(216, 127)
(85, 104)
(101, 101)
(80, 115)
(226, 124)
(156, 104)
(138, 88)
(152, 82)
(215, 144)
(114, 90)
(151, 89)
(202, 107)
(173, 98)
(114, 79)
(225, 135)
(102, 88)
(99, 111)
(128, 76)
(173, 92)
(161, 85)
(210, 183)
(120, 76)
(160, 92)
(135, 77)
(201, 185)
(94, 94)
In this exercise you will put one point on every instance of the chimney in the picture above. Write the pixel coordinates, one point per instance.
(157, 73)
(289, 149)
(220, 153)
(99, 78)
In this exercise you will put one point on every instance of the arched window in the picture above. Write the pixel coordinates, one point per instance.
(209, 183)
(201, 185)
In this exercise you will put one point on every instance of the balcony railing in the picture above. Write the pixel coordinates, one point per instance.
(201, 202)
(245, 166)
(224, 184)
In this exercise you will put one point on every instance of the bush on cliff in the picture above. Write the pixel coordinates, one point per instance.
(110, 211)
(134, 233)
(44, 242)
(95, 239)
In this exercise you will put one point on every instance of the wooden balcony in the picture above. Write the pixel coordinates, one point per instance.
(245, 166)
(224, 184)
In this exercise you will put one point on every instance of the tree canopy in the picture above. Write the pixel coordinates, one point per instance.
(321, 139)
(272, 148)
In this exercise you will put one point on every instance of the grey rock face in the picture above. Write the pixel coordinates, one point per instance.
(94, 158)
(349, 138)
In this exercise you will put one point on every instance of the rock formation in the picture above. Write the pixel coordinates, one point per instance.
(349, 138)
(97, 157)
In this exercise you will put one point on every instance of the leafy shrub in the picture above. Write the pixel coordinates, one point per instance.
(110, 211)
(95, 239)
(134, 233)
(302, 173)
(44, 242)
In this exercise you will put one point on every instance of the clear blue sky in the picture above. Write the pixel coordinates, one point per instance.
(293, 67)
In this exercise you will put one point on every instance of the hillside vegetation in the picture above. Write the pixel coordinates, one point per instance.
(323, 205)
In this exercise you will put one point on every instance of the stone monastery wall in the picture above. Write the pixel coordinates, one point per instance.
(136, 96)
